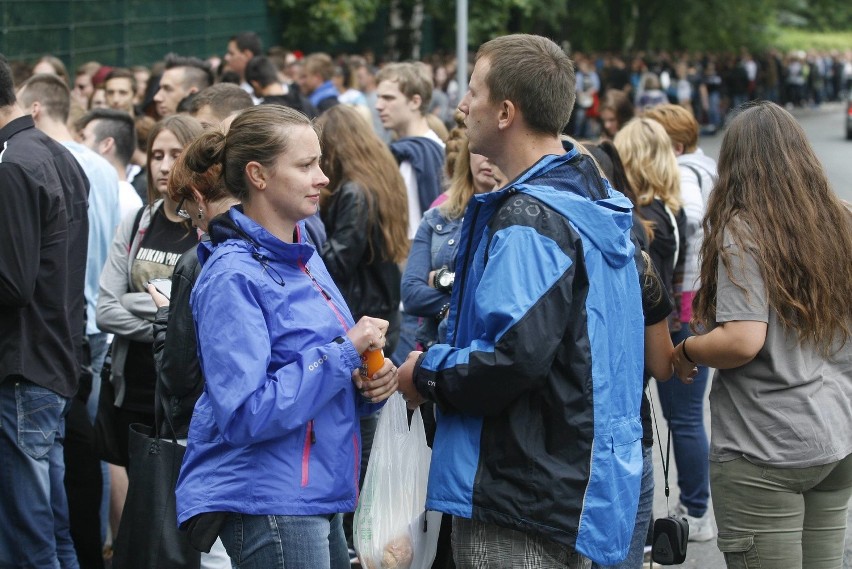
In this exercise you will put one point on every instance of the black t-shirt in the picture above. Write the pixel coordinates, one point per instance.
(163, 244)
(656, 306)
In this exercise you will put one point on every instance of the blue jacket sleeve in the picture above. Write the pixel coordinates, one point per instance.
(418, 297)
(252, 400)
(521, 307)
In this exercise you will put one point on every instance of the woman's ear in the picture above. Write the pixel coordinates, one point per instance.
(256, 173)
(199, 199)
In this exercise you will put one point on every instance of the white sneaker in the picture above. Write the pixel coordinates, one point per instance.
(700, 529)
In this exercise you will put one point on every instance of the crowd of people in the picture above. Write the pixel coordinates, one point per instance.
(526, 256)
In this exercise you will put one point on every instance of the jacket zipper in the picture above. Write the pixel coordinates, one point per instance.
(467, 257)
(325, 295)
(310, 440)
(355, 467)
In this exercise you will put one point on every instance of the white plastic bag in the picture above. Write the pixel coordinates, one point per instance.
(392, 530)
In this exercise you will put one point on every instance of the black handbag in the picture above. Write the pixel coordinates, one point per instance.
(148, 536)
(105, 437)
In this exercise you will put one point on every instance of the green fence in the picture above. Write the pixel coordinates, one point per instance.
(127, 32)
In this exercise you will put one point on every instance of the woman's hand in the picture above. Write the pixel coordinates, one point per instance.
(382, 385)
(368, 334)
(406, 382)
(158, 298)
(683, 368)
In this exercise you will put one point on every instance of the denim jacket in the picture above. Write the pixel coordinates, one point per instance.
(434, 246)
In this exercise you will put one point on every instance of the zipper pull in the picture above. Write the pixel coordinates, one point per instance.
(425, 520)
(313, 434)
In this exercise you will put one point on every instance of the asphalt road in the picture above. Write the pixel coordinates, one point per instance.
(825, 129)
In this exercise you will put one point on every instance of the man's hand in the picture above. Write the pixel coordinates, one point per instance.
(406, 382)
(382, 385)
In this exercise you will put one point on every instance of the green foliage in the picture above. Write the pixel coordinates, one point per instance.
(626, 25)
(787, 39)
(324, 21)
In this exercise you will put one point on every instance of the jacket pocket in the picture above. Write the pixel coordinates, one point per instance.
(203, 427)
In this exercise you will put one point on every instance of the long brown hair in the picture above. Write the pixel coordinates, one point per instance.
(353, 153)
(773, 196)
(185, 128)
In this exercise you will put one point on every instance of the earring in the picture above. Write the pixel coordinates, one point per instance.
(200, 213)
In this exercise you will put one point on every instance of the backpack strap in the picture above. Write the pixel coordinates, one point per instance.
(697, 175)
(136, 221)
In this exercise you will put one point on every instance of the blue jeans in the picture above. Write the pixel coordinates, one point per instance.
(636, 552)
(405, 345)
(285, 542)
(33, 504)
(98, 348)
(683, 408)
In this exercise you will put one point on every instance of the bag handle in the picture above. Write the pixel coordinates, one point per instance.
(161, 411)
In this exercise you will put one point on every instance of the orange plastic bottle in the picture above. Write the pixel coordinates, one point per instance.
(371, 362)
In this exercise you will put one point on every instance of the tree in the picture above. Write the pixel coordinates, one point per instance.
(324, 21)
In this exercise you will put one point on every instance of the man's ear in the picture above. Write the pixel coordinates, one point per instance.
(507, 114)
(106, 146)
(415, 101)
(34, 110)
(678, 148)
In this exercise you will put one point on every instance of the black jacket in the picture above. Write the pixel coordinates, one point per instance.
(44, 230)
(179, 380)
(369, 283)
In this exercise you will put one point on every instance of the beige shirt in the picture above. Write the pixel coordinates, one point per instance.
(790, 406)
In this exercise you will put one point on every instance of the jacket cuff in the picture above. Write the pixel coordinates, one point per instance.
(350, 354)
(162, 315)
(424, 380)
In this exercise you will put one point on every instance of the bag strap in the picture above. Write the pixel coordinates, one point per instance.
(666, 460)
(161, 411)
(697, 175)
(136, 221)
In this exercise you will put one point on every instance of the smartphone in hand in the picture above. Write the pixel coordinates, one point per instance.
(163, 286)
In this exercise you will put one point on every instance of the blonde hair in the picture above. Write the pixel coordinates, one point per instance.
(461, 183)
(649, 162)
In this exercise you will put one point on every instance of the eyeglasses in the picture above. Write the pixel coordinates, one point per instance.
(180, 211)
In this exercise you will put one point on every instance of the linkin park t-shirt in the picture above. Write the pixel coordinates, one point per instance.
(162, 245)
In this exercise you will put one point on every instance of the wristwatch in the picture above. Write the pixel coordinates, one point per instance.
(444, 279)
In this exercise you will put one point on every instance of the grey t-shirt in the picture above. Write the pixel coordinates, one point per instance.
(790, 406)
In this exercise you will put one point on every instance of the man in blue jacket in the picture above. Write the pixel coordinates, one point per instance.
(537, 455)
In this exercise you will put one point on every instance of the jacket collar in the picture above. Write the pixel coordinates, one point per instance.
(15, 126)
(245, 232)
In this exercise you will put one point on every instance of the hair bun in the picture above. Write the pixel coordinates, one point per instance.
(206, 151)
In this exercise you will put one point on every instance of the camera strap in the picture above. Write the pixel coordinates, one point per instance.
(666, 458)
(667, 454)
